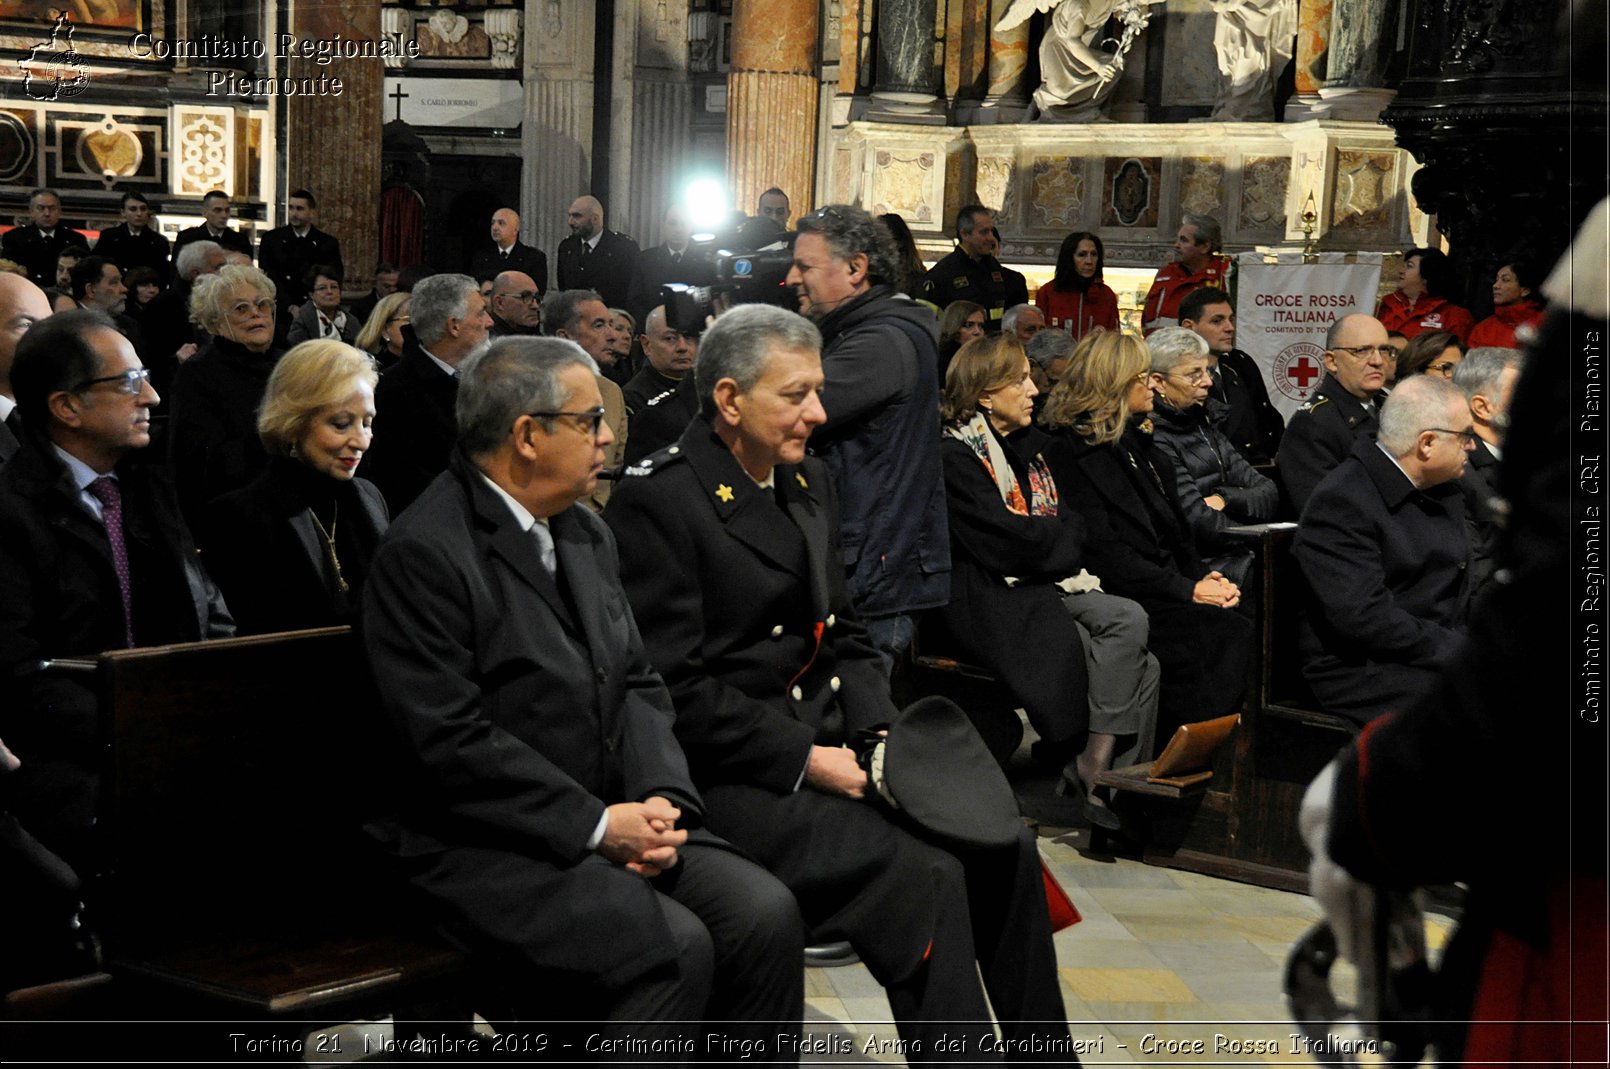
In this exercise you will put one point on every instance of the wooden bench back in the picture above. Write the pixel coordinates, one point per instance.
(233, 782)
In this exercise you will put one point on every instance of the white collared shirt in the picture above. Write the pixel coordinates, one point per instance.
(7, 406)
(82, 475)
(448, 369)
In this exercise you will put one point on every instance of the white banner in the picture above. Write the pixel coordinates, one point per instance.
(1283, 310)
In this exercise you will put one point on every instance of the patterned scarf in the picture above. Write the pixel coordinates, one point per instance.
(977, 436)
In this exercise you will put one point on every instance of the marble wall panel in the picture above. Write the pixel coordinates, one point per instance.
(1056, 192)
(18, 159)
(203, 149)
(994, 187)
(1202, 188)
(901, 183)
(1366, 182)
(1263, 192)
(1129, 191)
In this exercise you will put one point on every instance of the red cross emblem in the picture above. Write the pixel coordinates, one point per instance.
(1303, 370)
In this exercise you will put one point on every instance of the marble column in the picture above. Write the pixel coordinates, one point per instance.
(1007, 97)
(1355, 65)
(967, 51)
(771, 101)
(908, 88)
(332, 142)
(556, 136)
(653, 117)
(1313, 44)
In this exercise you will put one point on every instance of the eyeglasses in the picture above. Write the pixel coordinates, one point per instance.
(262, 306)
(328, 287)
(1445, 368)
(587, 420)
(131, 382)
(528, 297)
(821, 215)
(1200, 375)
(1470, 437)
(1364, 352)
(1142, 377)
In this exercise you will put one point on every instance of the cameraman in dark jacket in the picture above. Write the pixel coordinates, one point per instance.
(881, 440)
(1217, 489)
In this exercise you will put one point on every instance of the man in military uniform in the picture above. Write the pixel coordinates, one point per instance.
(1384, 552)
(133, 243)
(1341, 411)
(215, 210)
(972, 273)
(1195, 266)
(36, 246)
(772, 674)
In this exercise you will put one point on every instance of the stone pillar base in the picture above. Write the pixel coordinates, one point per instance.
(1304, 106)
(922, 109)
(1355, 104)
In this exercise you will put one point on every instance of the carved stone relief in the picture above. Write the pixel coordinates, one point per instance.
(900, 184)
(1202, 185)
(1057, 191)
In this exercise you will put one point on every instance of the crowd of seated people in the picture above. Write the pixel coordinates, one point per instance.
(1089, 482)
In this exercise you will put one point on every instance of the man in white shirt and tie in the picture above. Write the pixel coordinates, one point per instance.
(506, 253)
(37, 245)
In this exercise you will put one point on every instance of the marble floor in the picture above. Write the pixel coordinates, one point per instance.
(1166, 968)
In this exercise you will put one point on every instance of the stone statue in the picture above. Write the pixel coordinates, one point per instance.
(1254, 40)
(1077, 77)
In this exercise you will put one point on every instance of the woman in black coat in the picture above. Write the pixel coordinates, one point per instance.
(1021, 603)
(212, 422)
(291, 549)
(1138, 541)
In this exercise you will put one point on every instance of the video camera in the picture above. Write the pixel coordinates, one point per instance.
(757, 277)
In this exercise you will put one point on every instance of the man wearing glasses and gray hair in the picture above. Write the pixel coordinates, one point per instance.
(1342, 410)
(1383, 547)
(93, 556)
(545, 804)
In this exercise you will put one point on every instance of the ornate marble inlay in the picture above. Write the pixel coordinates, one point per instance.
(1202, 185)
(1057, 191)
(1263, 191)
(901, 183)
(1365, 182)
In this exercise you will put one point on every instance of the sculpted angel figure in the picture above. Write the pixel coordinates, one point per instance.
(1078, 78)
(1254, 39)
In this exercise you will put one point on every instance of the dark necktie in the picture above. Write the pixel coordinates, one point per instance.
(106, 491)
(14, 421)
(504, 253)
(586, 249)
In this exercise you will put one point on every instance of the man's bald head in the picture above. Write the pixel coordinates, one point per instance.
(586, 217)
(515, 300)
(505, 227)
(21, 305)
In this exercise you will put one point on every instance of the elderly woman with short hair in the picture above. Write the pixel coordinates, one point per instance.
(212, 434)
(1086, 680)
(291, 549)
(1217, 487)
(1113, 475)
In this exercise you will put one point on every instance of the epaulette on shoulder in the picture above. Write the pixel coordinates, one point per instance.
(1318, 402)
(657, 461)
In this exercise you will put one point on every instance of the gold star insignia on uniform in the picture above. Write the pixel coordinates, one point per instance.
(724, 492)
(802, 481)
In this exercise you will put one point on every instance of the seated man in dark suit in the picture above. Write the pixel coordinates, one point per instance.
(515, 304)
(506, 253)
(546, 804)
(1385, 556)
(730, 552)
(414, 426)
(1486, 376)
(22, 304)
(1252, 423)
(386, 276)
(93, 556)
(1341, 411)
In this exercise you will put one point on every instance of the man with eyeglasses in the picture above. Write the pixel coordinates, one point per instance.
(94, 555)
(545, 807)
(1341, 411)
(582, 316)
(516, 305)
(1217, 489)
(1384, 552)
(972, 273)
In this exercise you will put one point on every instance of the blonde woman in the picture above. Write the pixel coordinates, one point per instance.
(1111, 473)
(382, 336)
(1021, 600)
(291, 549)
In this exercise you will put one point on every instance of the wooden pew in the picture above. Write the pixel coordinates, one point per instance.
(1242, 823)
(236, 882)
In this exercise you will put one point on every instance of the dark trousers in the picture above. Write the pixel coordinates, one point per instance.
(926, 919)
(736, 930)
(1204, 652)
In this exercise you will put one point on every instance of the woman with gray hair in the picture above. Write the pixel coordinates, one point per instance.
(1217, 489)
(291, 549)
(212, 433)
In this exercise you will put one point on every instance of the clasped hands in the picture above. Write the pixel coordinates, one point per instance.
(1215, 589)
(643, 836)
